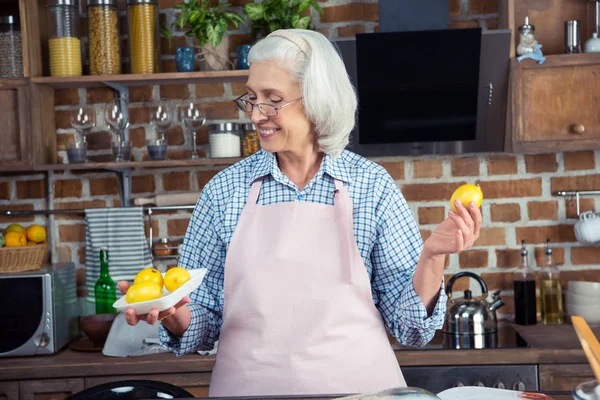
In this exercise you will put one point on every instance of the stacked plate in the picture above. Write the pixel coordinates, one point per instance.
(583, 299)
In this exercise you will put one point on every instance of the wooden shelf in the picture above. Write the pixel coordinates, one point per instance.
(168, 78)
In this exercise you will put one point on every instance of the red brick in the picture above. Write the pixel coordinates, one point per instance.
(428, 168)
(542, 210)
(72, 233)
(175, 136)
(66, 97)
(177, 227)
(80, 273)
(164, 4)
(473, 259)
(558, 255)
(350, 30)
(104, 186)
(16, 207)
(168, 65)
(4, 190)
(139, 94)
(511, 188)
(569, 183)
(237, 88)
(137, 137)
(139, 115)
(539, 234)
(491, 237)
(62, 139)
(585, 255)
(176, 41)
(176, 92)
(431, 215)
(99, 95)
(454, 8)
(537, 163)
(174, 181)
(99, 141)
(395, 169)
(482, 7)
(143, 184)
(429, 191)
(502, 165)
(465, 167)
(584, 205)
(236, 40)
(67, 188)
(35, 189)
(498, 280)
(425, 233)
(510, 212)
(72, 205)
(463, 23)
(590, 275)
(63, 253)
(203, 177)
(155, 229)
(222, 110)
(210, 90)
(459, 285)
(351, 12)
(62, 119)
(508, 258)
(579, 160)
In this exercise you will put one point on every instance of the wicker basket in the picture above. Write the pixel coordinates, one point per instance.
(26, 258)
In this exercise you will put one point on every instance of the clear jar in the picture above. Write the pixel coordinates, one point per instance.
(224, 140)
(143, 36)
(250, 140)
(103, 22)
(163, 248)
(64, 42)
(11, 47)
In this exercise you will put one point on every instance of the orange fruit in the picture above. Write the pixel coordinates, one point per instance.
(15, 228)
(36, 233)
(176, 277)
(467, 193)
(15, 239)
(143, 291)
(149, 275)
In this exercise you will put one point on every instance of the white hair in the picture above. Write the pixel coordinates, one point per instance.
(328, 95)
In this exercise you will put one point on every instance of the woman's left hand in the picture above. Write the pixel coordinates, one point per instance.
(457, 232)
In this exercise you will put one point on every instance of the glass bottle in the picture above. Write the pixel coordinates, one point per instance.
(550, 290)
(105, 290)
(526, 38)
(11, 47)
(143, 36)
(104, 46)
(64, 43)
(524, 289)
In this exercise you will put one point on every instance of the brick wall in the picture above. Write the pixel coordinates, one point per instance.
(518, 188)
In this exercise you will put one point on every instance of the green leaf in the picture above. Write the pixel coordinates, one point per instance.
(273, 26)
(295, 20)
(214, 38)
(316, 6)
(255, 11)
(181, 21)
(194, 16)
(303, 23)
(304, 6)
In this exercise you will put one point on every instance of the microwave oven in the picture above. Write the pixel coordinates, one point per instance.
(39, 313)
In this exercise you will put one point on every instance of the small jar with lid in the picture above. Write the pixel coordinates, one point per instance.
(103, 23)
(250, 139)
(224, 140)
(143, 36)
(11, 47)
(163, 248)
(64, 40)
(526, 38)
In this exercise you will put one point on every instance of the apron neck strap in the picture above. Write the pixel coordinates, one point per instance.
(254, 192)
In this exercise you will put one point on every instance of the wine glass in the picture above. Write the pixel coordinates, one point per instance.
(83, 120)
(116, 119)
(193, 117)
(161, 118)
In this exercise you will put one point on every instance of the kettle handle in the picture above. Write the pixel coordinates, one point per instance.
(469, 274)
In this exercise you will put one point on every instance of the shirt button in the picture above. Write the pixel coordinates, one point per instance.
(300, 197)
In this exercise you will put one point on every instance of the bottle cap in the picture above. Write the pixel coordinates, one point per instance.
(548, 251)
(523, 249)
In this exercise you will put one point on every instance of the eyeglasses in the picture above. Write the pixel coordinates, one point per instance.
(268, 110)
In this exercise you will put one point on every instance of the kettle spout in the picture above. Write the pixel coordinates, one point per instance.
(497, 303)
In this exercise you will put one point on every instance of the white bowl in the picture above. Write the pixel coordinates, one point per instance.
(591, 314)
(578, 299)
(583, 288)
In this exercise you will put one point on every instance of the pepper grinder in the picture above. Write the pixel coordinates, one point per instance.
(526, 38)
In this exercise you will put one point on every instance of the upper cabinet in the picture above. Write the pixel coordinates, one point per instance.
(555, 106)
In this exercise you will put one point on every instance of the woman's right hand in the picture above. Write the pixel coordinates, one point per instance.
(177, 324)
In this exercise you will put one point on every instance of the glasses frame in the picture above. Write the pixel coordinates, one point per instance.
(276, 108)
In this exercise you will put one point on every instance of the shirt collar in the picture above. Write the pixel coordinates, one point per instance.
(267, 164)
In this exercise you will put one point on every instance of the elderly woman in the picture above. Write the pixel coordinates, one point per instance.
(311, 250)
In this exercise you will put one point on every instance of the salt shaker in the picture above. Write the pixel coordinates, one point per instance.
(526, 39)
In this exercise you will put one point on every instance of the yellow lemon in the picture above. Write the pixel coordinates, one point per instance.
(15, 239)
(176, 277)
(149, 275)
(467, 193)
(143, 291)
(15, 228)
(36, 233)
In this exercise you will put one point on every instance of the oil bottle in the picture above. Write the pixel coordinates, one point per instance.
(524, 289)
(550, 290)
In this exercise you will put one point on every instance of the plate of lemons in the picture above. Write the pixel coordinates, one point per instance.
(153, 289)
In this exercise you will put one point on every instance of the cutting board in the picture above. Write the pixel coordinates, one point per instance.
(542, 336)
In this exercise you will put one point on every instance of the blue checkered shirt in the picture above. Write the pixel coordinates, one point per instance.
(385, 230)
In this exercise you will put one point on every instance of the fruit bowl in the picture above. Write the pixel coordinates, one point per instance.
(97, 327)
(168, 299)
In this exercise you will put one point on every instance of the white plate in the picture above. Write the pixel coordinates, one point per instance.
(168, 299)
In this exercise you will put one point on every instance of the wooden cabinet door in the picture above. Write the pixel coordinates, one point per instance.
(15, 143)
(556, 105)
(564, 376)
(9, 390)
(50, 389)
(196, 383)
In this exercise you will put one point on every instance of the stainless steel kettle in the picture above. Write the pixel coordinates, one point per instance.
(471, 322)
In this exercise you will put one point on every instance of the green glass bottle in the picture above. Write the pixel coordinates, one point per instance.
(105, 289)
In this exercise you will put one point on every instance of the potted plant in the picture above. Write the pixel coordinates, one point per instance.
(207, 25)
(271, 15)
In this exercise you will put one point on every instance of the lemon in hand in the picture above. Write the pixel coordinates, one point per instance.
(149, 275)
(467, 193)
(143, 291)
(176, 277)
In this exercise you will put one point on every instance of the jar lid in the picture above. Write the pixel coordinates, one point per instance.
(9, 20)
(133, 2)
(163, 240)
(248, 127)
(223, 127)
(101, 3)
(71, 3)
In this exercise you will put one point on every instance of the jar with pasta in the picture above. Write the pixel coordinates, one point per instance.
(143, 36)
(250, 140)
(64, 42)
(105, 54)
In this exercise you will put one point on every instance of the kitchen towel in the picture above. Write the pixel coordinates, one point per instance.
(121, 232)
(125, 340)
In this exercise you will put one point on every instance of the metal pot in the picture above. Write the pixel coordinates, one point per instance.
(470, 322)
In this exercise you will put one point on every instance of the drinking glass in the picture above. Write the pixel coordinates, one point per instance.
(116, 120)
(83, 120)
(193, 117)
(161, 118)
